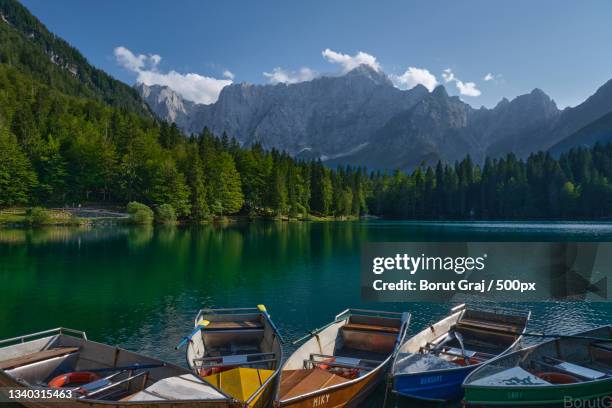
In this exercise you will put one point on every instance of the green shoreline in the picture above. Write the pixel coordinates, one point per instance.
(19, 218)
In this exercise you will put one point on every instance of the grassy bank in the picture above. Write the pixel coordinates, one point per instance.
(39, 216)
(36, 216)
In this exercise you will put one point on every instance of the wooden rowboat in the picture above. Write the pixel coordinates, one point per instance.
(342, 362)
(433, 364)
(108, 376)
(238, 351)
(573, 368)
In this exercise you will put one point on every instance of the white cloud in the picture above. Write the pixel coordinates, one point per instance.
(348, 62)
(194, 87)
(465, 88)
(448, 75)
(133, 62)
(414, 76)
(497, 78)
(282, 76)
(468, 88)
(228, 74)
(191, 86)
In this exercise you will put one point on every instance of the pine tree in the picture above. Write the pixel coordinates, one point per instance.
(195, 180)
(50, 166)
(169, 187)
(17, 178)
(226, 187)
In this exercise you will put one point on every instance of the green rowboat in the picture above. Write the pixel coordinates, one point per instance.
(552, 373)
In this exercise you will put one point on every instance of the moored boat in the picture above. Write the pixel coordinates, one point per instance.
(93, 374)
(433, 364)
(342, 362)
(238, 351)
(574, 368)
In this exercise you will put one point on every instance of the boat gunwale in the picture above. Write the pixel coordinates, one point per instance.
(332, 388)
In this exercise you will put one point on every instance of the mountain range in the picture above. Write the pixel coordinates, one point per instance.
(358, 118)
(361, 118)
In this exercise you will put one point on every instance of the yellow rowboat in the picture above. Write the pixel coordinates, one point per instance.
(238, 351)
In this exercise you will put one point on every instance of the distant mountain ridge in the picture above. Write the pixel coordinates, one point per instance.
(325, 117)
(588, 123)
(360, 118)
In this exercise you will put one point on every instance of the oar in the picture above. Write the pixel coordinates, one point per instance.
(315, 331)
(201, 326)
(262, 309)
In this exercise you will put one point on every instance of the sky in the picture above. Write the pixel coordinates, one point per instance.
(480, 50)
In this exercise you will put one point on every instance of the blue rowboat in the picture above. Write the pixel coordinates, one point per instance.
(433, 364)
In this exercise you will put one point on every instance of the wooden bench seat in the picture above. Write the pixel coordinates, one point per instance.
(489, 326)
(36, 357)
(370, 327)
(234, 325)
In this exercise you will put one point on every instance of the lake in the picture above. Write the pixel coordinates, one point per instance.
(140, 288)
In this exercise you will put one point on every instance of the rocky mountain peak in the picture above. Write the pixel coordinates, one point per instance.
(504, 102)
(440, 92)
(368, 72)
(166, 103)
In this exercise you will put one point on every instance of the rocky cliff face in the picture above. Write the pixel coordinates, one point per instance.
(441, 127)
(586, 124)
(360, 118)
(327, 117)
(168, 105)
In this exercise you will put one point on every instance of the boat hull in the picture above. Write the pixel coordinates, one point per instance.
(344, 395)
(539, 396)
(8, 382)
(442, 385)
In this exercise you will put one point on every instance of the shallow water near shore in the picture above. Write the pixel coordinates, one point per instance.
(140, 288)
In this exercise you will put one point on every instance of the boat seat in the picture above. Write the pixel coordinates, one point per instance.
(183, 387)
(342, 359)
(489, 326)
(370, 327)
(237, 360)
(36, 357)
(235, 325)
(574, 369)
(341, 362)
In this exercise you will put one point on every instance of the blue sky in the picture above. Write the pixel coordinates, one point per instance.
(562, 47)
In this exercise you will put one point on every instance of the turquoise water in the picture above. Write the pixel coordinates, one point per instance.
(140, 288)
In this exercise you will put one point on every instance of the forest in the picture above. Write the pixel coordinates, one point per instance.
(58, 150)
